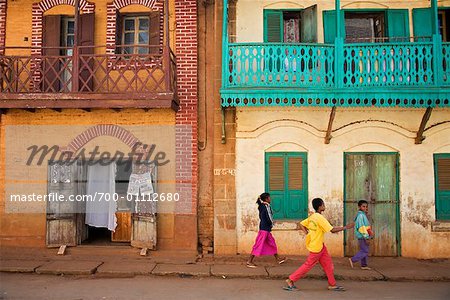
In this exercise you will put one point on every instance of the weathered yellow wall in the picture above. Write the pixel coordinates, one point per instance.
(250, 20)
(47, 127)
(356, 130)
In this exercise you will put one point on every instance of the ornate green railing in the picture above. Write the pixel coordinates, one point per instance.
(446, 63)
(285, 65)
(415, 74)
(383, 65)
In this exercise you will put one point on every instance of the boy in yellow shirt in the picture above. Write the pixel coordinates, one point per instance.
(315, 226)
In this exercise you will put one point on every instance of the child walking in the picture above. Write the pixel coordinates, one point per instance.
(315, 226)
(363, 232)
(265, 243)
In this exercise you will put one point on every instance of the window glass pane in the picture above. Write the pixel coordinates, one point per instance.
(359, 29)
(143, 24)
(70, 27)
(142, 50)
(129, 24)
(128, 50)
(143, 37)
(129, 38)
(69, 40)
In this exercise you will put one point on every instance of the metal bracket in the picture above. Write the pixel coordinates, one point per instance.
(330, 125)
(426, 117)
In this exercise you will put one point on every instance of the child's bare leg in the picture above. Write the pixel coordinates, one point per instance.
(279, 259)
(250, 259)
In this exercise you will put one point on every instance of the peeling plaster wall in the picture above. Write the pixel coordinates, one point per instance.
(354, 130)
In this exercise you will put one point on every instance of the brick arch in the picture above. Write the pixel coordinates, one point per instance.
(101, 130)
(38, 10)
(111, 12)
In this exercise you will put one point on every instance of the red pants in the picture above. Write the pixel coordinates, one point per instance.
(325, 261)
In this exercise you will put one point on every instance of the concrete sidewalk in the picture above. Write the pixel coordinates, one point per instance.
(125, 262)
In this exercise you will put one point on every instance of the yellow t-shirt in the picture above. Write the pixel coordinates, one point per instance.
(317, 226)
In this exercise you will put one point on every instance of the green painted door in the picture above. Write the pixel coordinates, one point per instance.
(373, 177)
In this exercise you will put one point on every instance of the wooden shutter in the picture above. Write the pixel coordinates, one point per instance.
(154, 36)
(51, 62)
(86, 38)
(296, 199)
(329, 26)
(309, 24)
(119, 30)
(442, 178)
(398, 25)
(286, 181)
(273, 26)
(422, 23)
(443, 167)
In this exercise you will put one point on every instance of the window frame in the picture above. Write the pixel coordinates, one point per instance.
(136, 17)
(369, 13)
(436, 157)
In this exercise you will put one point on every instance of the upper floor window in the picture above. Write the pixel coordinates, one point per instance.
(138, 33)
(290, 26)
(364, 27)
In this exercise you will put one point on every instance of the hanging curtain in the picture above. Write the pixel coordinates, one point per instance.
(101, 212)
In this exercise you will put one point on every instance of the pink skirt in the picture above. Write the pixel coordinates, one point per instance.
(264, 244)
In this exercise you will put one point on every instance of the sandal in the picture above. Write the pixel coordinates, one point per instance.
(251, 265)
(336, 288)
(366, 268)
(290, 286)
(281, 261)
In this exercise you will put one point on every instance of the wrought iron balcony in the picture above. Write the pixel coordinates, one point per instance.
(88, 77)
(415, 74)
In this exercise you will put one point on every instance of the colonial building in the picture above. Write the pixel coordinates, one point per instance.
(103, 82)
(343, 100)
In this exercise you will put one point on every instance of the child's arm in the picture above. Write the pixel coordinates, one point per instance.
(337, 229)
(303, 228)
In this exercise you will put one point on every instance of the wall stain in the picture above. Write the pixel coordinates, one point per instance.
(418, 213)
(250, 223)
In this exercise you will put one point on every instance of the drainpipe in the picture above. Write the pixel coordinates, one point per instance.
(437, 44)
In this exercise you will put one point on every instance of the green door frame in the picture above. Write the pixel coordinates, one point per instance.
(436, 156)
(397, 193)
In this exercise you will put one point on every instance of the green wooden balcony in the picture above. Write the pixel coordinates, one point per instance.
(409, 74)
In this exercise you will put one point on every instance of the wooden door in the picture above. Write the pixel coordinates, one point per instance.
(144, 226)
(373, 177)
(309, 24)
(61, 215)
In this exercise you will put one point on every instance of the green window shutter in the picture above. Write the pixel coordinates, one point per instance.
(442, 186)
(275, 178)
(273, 26)
(398, 25)
(296, 207)
(422, 23)
(286, 181)
(329, 26)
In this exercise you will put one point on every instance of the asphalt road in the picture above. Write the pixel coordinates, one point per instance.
(32, 286)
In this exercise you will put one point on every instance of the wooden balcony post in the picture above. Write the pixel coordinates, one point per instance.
(338, 49)
(437, 46)
(75, 54)
(225, 44)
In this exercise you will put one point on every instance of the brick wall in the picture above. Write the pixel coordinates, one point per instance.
(111, 11)
(186, 118)
(2, 25)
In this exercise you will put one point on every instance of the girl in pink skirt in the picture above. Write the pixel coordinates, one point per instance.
(265, 243)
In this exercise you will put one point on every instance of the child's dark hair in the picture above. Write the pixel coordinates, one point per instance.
(316, 203)
(361, 202)
(263, 197)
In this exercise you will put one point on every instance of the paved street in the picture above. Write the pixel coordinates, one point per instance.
(32, 286)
